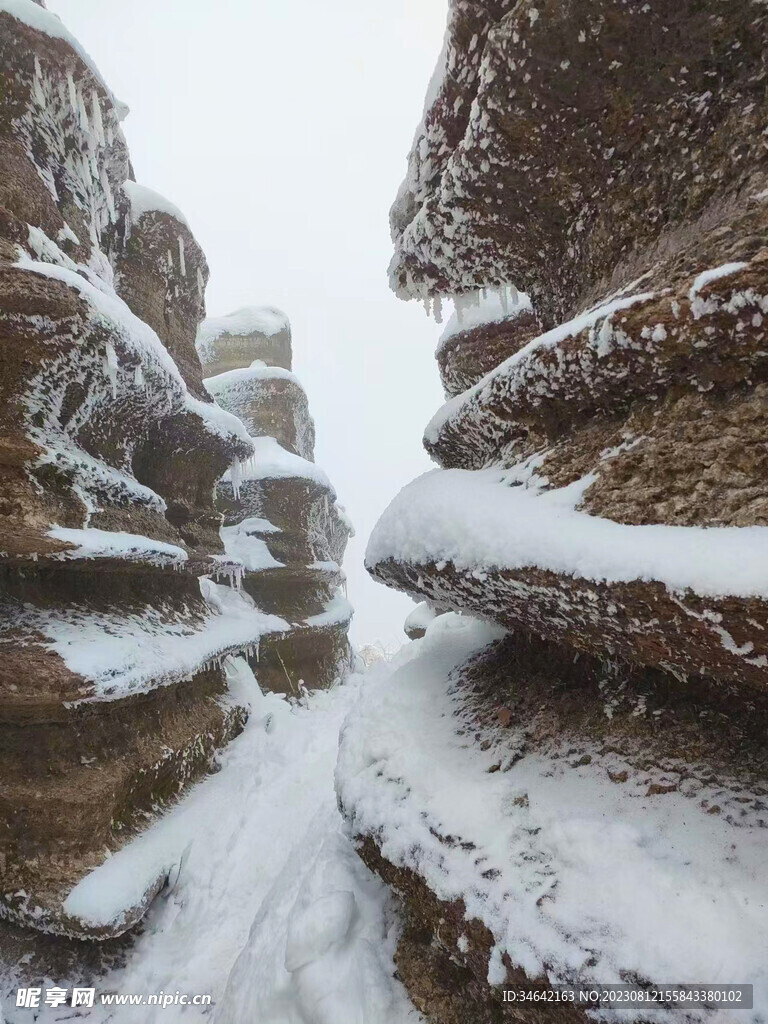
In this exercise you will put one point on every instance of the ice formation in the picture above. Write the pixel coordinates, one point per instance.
(579, 799)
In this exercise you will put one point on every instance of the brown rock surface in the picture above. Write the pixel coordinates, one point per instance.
(112, 694)
(236, 340)
(464, 358)
(572, 148)
(282, 520)
(606, 159)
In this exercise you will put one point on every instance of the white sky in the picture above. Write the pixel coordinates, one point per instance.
(281, 130)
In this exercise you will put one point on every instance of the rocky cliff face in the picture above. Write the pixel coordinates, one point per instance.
(602, 496)
(116, 618)
(282, 519)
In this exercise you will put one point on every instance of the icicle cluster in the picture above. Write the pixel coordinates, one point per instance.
(507, 294)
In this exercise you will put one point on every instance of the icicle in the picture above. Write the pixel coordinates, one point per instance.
(605, 329)
(37, 88)
(515, 295)
(138, 376)
(200, 283)
(182, 261)
(108, 195)
(236, 476)
(504, 296)
(72, 94)
(438, 309)
(458, 305)
(110, 367)
(427, 304)
(82, 112)
(98, 124)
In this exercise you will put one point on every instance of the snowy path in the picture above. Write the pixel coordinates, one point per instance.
(268, 841)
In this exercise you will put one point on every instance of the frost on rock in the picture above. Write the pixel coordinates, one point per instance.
(572, 801)
(282, 520)
(261, 332)
(145, 200)
(487, 327)
(113, 695)
(270, 401)
(478, 309)
(577, 860)
(513, 177)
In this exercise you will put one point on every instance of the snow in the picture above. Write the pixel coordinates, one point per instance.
(42, 20)
(249, 852)
(420, 617)
(550, 339)
(139, 338)
(271, 461)
(264, 320)
(314, 929)
(337, 610)
(344, 518)
(234, 380)
(577, 877)
(92, 543)
(121, 654)
(321, 949)
(492, 305)
(242, 544)
(146, 200)
(714, 274)
(485, 519)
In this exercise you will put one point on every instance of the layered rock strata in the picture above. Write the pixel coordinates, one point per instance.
(283, 525)
(113, 698)
(602, 496)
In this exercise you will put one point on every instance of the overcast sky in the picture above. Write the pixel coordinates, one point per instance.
(281, 130)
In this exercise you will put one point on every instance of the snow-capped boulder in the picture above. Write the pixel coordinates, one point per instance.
(237, 339)
(271, 403)
(417, 621)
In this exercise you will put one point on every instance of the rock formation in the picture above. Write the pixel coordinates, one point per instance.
(117, 621)
(602, 496)
(282, 520)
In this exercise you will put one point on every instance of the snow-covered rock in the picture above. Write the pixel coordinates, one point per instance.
(245, 853)
(516, 177)
(113, 698)
(556, 846)
(271, 403)
(282, 520)
(237, 339)
(569, 802)
(417, 621)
